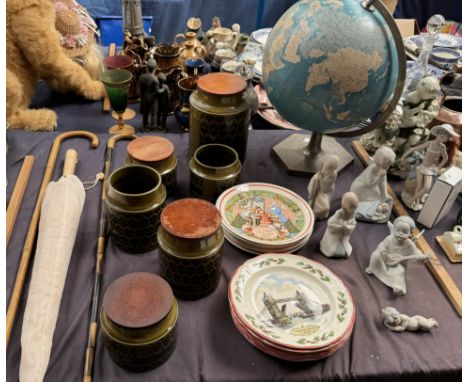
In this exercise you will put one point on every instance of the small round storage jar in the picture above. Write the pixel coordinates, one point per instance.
(139, 321)
(190, 239)
(158, 153)
(219, 113)
(213, 169)
(135, 199)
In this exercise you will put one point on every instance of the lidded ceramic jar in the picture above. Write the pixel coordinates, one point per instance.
(190, 239)
(158, 153)
(213, 169)
(219, 113)
(139, 321)
(135, 199)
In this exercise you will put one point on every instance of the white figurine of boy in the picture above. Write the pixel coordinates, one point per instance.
(335, 241)
(389, 260)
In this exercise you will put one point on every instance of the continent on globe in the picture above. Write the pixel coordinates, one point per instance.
(329, 64)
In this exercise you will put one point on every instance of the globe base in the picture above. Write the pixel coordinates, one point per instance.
(296, 155)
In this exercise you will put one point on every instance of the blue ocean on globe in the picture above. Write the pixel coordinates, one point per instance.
(329, 64)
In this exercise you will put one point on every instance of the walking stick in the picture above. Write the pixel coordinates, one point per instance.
(17, 195)
(101, 244)
(32, 230)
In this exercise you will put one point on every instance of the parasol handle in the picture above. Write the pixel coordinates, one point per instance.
(71, 159)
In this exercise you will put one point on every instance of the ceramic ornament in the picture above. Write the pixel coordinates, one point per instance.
(434, 159)
(375, 205)
(322, 187)
(335, 241)
(389, 260)
(399, 322)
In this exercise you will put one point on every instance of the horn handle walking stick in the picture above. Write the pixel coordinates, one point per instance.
(101, 244)
(32, 230)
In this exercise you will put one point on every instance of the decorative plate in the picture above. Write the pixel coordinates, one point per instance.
(433, 70)
(271, 115)
(265, 213)
(260, 35)
(291, 301)
(443, 40)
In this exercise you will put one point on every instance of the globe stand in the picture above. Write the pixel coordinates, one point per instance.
(303, 154)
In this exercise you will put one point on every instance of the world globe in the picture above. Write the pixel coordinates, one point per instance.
(330, 64)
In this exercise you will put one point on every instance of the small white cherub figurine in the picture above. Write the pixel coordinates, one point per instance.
(389, 260)
(399, 322)
(335, 241)
(322, 186)
(434, 159)
(371, 188)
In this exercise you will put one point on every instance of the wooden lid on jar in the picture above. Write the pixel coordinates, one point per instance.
(221, 84)
(138, 300)
(191, 218)
(150, 149)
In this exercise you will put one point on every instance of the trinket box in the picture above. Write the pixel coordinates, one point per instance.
(139, 321)
(158, 153)
(190, 239)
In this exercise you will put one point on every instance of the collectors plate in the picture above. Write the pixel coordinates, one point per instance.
(292, 301)
(265, 214)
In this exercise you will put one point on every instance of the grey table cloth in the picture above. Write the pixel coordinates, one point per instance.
(209, 347)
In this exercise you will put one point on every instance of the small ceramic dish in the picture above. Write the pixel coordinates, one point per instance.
(444, 58)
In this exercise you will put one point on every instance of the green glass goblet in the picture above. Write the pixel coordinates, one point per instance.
(117, 83)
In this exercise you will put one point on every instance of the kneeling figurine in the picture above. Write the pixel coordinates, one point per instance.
(335, 241)
(389, 260)
(399, 322)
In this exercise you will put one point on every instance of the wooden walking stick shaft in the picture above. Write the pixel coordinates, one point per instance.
(32, 230)
(101, 246)
(433, 264)
(17, 195)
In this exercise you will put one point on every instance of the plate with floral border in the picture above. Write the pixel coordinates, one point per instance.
(292, 301)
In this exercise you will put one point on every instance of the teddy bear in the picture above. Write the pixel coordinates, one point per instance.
(34, 50)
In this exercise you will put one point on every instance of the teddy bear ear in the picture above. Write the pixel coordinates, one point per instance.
(390, 226)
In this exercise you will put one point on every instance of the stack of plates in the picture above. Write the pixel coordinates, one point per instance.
(291, 307)
(262, 217)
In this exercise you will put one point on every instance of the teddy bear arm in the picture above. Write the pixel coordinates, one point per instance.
(35, 34)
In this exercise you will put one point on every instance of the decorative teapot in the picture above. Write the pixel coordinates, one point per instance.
(180, 39)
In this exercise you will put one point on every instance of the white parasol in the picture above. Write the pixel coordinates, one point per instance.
(60, 216)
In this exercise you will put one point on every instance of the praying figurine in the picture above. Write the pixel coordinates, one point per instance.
(399, 322)
(322, 187)
(370, 187)
(335, 241)
(164, 101)
(148, 86)
(389, 260)
(434, 159)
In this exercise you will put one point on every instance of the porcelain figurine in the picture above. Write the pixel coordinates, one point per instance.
(370, 186)
(335, 241)
(164, 101)
(389, 260)
(420, 107)
(435, 158)
(148, 86)
(322, 186)
(399, 322)
(386, 135)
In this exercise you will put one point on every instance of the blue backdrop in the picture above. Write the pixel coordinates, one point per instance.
(170, 16)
